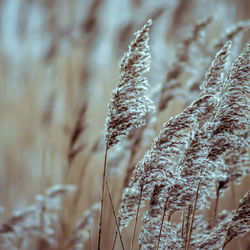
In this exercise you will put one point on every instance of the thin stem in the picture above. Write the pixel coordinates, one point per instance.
(136, 219)
(89, 239)
(182, 225)
(114, 241)
(20, 243)
(103, 189)
(225, 243)
(216, 203)
(116, 221)
(193, 214)
(43, 210)
(155, 126)
(162, 220)
(187, 225)
(169, 217)
(233, 188)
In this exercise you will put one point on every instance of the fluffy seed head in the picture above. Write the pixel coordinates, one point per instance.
(130, 104)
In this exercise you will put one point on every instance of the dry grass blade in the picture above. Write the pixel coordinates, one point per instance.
(77, 131)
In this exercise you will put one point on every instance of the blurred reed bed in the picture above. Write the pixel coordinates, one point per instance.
(59, 62)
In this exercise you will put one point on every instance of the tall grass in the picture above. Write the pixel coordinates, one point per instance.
(175, 176)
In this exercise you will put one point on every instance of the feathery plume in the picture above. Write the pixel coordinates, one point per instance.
(239, 224)
(39, 222)
(232, 122)
(196, 163)
(203, 153)
(171, 83)
(158, 165)
(210, 235)
(231, 33)
(226, 227)
(215, 76)
(224, 134)
(130, 104)
(152, 219)
(80, 232)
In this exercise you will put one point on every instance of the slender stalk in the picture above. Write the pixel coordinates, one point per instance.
(216, 203)
(237, 242)
(162, 220)
(103, 190)
(136, 219)
(187, 225)
(43, 209)
(116, 221)
(114, 241)
(89, 239)
(169, 217)
(234, 197)
(193, 214)
(155, 125)
(225, 243)
(182, 225)
(20, 243)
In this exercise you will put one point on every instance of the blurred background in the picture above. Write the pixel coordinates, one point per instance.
(60, 57)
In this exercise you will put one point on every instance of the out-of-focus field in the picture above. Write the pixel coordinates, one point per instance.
(57, 55)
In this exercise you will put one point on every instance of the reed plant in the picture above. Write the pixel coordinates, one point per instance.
(160, 162)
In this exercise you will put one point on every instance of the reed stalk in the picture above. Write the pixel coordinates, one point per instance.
(116, 221)
(102, 198)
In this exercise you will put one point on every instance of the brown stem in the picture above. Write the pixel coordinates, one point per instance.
(225, 243)
(193, 214)
(116, 221)
(187, 225)
(103, 189)
(113, 245)
(169, 217)
(89, 240)
(182, 225)
(162, 220)
(216, 203)
(20, 243)
(136, 219)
